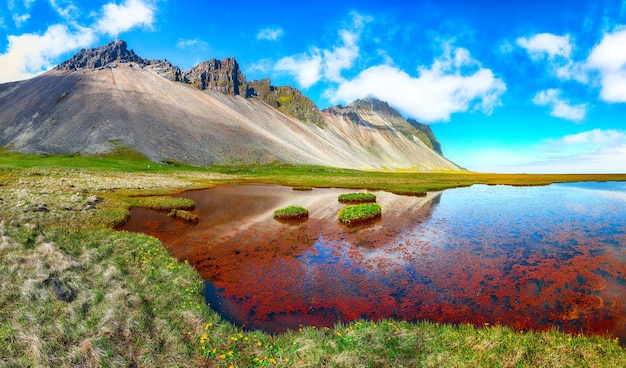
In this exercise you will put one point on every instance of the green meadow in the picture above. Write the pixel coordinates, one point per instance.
(77, 292)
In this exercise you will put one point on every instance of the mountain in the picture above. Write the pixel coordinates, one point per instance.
(109, 97)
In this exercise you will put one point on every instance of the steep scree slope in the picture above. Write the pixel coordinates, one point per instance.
(108, 97)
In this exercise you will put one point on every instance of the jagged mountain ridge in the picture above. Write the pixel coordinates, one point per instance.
(108, 96)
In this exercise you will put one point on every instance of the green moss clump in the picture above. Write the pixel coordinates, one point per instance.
(291, 213)
(357, 198)
(359, 213)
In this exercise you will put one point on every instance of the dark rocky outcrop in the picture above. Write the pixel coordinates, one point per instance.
(223, 76)
(104, 56)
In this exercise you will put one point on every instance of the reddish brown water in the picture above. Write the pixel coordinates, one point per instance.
(531, 258)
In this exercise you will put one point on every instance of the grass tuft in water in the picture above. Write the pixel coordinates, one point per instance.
(358, 197)
(291, 213)
(184, 215)
(359, 213)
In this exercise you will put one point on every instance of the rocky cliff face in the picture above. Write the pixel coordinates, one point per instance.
(223, 76)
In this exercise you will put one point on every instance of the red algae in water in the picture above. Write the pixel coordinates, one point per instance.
(497, 255)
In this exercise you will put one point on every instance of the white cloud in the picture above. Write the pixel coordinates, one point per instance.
(593, 151)
(65, 8)
(30, 54)
(270, 34)
(557, 52)
(20, 19)
(546, 44)
(341, 57)
(194, 44)
(609, 59)
(305, 68)
(595, 137)
(560, 107)
(121, 18)
(435, 93)
(309, 68)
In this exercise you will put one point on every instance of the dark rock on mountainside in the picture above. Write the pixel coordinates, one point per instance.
(109, 55)
(286, 99)
(223, 76)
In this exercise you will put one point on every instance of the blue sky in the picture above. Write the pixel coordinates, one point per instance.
(507, 86)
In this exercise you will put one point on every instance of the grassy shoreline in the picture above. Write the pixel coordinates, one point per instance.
(135, 305)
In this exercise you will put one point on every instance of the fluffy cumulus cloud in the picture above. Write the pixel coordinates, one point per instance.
(556, 51)
(306, 68)
(309, 68)
(123, 17)
(29, 54)
(270, 34)
(605, 65)
(559, 107)
(32, 53)
(444, 88)
(608, 58)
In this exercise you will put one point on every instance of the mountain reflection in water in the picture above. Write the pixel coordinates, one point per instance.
(530, 258)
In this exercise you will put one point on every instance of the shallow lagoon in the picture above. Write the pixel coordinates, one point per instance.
(528, 257)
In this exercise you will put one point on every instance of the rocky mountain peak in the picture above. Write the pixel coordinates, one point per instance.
(109, 55)
(372, 103)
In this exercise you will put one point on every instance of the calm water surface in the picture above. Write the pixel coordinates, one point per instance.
(530, 258)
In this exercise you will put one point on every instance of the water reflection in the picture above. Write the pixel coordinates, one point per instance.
(526, 257)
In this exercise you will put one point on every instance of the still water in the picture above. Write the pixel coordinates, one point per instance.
(530, 258)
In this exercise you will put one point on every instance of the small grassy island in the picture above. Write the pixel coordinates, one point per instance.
(291, 213)
(359, 197)
(359, 213)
